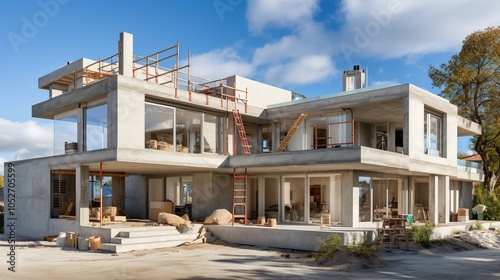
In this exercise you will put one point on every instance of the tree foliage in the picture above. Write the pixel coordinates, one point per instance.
(1, 180)
(471, 80)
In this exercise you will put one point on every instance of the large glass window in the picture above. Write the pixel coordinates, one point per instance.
(188, 131)
(271, 197)
(294, 200)
(364, 188)
(212, 133)
(65, 133)
(96, 127)
(379, 196)
(159, 127)
(267, 139)
(433, 134)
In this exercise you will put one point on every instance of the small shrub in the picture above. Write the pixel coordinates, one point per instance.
(476, 226)
(422, 234)
(328, 247)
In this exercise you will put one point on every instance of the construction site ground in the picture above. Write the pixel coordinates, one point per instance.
(450, 259)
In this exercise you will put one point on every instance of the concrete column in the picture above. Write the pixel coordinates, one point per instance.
(126, 54)
(56, 89)
(80, 115)
(444, 199)
(413, 127)
(261, 198)
(466, 194)
(373, 136)
(350, 205)
(433, 214)
(276, 135)
(391, 137)
(82, 195)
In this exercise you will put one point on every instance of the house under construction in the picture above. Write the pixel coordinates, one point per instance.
(161, 138)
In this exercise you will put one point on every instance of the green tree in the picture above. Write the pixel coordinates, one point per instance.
(471, 80)
(1, 180)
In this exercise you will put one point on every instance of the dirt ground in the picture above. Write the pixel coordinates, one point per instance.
(450, 259)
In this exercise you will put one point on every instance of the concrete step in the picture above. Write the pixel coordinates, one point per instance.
(154, 238)
(148, 233)
(120, 248)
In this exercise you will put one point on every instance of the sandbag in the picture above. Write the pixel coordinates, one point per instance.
(170, 219)
(219, 217)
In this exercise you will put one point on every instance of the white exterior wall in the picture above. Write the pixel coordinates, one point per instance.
(259, 94)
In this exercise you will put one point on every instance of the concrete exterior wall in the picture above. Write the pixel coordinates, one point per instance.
(32, 208)
(211, 191)
(136, 196)
(288, 238)
(129, 108)
(33, 201)
(259, 94)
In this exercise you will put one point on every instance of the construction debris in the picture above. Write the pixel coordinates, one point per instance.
(483, 238)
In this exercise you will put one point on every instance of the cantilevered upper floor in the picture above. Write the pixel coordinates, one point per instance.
(139, 104)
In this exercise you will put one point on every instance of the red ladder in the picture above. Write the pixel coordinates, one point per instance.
(239, 196)
(238, 123)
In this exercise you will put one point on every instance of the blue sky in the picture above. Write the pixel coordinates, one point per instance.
(300, 45)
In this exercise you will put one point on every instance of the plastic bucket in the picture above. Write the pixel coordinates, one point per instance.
(409, 219)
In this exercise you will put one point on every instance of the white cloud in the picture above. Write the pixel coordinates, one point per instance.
(307, 69)
(279, 13)
(220, 63)
(396, 28)
(381, 29)
(383, 82)
(25, 139)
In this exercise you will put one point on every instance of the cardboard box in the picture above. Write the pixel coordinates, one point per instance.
(119, 218)
(71, 239)
(463, 212)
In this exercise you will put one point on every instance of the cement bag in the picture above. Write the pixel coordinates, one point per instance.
(61, 239)
(170, 219)
(219, 217)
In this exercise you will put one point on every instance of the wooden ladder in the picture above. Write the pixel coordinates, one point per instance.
(239, 196)
(290, 133)
(238, 123)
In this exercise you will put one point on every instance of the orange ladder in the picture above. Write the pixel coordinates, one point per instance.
(239, 196)
(290, 133)
(238, 123)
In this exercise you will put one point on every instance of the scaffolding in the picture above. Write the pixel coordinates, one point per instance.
(327, 140)
(163, 68)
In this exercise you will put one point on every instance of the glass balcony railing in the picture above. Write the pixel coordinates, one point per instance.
(466, 165)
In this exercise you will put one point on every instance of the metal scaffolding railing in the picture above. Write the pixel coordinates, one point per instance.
(163, 68)
(328, 138)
